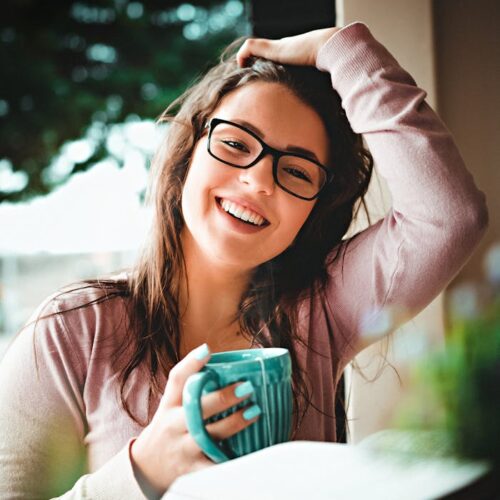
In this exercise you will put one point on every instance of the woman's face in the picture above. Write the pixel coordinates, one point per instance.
(211, 188)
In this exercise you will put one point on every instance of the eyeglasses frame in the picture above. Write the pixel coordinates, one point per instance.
(266, 149)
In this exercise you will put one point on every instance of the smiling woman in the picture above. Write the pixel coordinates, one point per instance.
(255, 185)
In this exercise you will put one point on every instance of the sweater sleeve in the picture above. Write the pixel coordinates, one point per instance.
(42, 419)
(399, 265)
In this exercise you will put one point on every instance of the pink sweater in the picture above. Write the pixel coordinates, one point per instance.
(62, 409)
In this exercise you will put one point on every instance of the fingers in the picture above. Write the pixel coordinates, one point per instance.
(223, 429)
(255, 47)
(299, 50)
(223, 399)
(212, 404)
(192, 363)
(234, 423)
(296, 50)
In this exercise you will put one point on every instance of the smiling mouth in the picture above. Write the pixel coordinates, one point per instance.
(242, 214)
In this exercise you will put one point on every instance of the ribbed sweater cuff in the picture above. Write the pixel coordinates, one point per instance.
(351, 52)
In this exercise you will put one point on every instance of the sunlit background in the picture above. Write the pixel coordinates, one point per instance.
(82, 88)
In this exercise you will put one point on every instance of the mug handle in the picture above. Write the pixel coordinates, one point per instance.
(191, 401)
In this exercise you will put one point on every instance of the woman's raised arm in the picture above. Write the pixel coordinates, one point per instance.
(437, 216)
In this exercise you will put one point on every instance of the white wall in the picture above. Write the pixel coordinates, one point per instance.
(405, 27)
(468, 93)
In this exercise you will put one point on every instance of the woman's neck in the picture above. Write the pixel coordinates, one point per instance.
(209, 301)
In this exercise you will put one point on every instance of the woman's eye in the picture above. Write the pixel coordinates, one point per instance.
(299, 174)
(235, 145)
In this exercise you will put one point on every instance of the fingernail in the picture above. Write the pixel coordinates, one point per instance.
(201, 352)
(252, 412)
(244, 389)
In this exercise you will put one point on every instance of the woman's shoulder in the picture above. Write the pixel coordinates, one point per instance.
(77, 329)
(85, 311)
(91, 293)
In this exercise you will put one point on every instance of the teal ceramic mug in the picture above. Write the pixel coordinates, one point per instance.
(270, 372)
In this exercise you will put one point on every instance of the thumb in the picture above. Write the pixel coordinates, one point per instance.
(192, 363)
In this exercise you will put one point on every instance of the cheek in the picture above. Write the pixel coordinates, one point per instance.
(204, 171)
(191, 192)
(204, 174)
(292, 222)
(195, 180)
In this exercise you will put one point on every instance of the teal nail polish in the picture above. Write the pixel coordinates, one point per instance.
(252, 412)
(201, 352)
(244, 389)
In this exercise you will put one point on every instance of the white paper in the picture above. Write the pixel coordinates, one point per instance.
(315, 471)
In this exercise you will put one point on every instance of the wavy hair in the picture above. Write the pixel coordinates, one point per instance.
(277, 287)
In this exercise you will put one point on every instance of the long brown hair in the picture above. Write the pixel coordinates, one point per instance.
(267, 313)
(277, 287)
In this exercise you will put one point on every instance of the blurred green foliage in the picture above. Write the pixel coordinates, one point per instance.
(468, 381)
(457, 390)
(68, 64)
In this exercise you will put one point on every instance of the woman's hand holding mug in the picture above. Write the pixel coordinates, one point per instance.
(165, 450)
(269, 371)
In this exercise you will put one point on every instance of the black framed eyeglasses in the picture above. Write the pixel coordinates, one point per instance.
(239, 147)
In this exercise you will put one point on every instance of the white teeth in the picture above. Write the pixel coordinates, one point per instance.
(246, 215)
(242, 212)
(236, 210)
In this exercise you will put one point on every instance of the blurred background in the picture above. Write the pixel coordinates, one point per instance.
(83, 82)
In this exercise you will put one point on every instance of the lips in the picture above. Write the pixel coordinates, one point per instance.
(242, 211)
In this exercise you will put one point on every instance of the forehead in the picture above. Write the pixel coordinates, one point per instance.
(283, 118)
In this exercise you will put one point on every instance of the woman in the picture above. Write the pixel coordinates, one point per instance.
(255, 187)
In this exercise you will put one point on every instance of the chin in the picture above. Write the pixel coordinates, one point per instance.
(238, 261)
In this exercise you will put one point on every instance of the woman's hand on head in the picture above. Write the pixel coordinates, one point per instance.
(165, 450)
(299, 50)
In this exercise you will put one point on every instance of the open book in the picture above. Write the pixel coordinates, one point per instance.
(388, 465)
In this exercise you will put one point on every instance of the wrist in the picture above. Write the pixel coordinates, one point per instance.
(144, 477)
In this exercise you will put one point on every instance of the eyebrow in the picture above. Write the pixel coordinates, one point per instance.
(289, 148)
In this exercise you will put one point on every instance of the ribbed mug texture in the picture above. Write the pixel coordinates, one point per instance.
(272, 365)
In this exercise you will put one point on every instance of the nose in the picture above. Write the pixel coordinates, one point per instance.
(259, 177)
